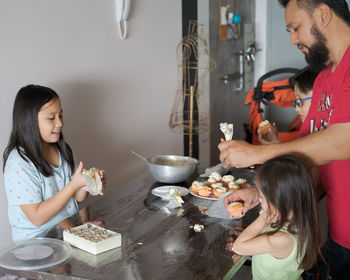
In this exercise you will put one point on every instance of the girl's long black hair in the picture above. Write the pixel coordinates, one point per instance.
(25, 134)
(287, 184)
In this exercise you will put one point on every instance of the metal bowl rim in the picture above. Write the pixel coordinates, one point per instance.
(190, 159)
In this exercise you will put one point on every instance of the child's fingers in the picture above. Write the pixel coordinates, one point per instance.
(275, 218)
(103, 180)
(263, 213)
(96, 223)
(80, 167)
(103, 177)
(102, 173)
(237, 217)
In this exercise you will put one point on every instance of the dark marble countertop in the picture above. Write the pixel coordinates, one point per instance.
(157, 242)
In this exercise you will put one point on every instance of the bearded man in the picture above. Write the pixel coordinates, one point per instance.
(321, 30)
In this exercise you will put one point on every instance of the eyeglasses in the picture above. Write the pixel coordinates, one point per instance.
(299, 102)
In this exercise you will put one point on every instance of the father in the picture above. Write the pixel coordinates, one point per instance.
(321, 30)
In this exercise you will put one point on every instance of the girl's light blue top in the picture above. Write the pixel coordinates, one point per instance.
(24, 184)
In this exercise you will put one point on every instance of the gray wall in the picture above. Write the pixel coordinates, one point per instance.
(116, 95)
(280, 52)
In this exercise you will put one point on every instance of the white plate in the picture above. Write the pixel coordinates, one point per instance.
(163, 191)
(13, 258)
(212, 197)
(33, 252)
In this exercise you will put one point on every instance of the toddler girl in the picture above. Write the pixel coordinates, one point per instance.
(284, 240)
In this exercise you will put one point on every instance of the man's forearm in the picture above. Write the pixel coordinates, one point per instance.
(315, 149)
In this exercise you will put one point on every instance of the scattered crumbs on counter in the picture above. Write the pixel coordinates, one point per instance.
(202, 209)
(180, 212)
(197, 227)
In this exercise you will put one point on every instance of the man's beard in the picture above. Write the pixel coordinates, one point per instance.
(318, 55)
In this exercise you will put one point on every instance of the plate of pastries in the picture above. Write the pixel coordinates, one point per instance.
(216, 185)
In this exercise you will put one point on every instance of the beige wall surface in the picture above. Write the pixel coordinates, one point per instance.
(116, 95)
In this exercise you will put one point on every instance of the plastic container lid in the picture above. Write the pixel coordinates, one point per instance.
(35, 254)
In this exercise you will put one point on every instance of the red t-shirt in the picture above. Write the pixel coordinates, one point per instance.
(330, 104)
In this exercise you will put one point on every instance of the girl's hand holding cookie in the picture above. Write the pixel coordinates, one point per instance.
(103, 180)
(78, 179)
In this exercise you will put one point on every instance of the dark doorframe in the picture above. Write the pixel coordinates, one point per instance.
(190, 12)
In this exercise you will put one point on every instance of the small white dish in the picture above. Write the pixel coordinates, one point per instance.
(164, 191)
(33, 252)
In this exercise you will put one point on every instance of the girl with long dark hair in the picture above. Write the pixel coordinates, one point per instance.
(43, 182)
(285, 239)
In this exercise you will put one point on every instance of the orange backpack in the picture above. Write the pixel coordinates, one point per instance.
(276, 92)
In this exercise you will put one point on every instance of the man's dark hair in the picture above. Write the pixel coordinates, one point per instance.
(339, 7)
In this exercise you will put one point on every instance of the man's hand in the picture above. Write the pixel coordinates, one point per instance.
(249, 195)
(239, 154)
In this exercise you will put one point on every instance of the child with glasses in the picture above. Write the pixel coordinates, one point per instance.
(302, 83)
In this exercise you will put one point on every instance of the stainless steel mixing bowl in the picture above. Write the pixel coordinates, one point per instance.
(171, 168)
